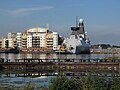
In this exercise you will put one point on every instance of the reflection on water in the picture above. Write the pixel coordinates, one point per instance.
(55, 56)
(22, 79)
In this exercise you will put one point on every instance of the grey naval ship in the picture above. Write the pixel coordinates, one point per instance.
(78, 43)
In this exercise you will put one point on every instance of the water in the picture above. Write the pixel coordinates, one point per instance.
(18, 80)
(55, 56)
(43, 78)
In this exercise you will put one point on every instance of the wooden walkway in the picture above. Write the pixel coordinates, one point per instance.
(60, 60)
(61, 64)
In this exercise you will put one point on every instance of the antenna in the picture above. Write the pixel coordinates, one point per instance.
(48, 26)
(76, 21)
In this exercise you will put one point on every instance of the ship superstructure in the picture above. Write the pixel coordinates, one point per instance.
(78, 42)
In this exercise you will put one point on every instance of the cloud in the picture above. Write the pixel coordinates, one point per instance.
(26, 11)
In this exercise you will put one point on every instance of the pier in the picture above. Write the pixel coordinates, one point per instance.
(60, 64)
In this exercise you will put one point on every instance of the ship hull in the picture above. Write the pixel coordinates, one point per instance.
(63, 52)
(79, 50)
(82, 50)
(9, 51)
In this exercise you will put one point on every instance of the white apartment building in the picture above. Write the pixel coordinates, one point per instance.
(3, 42)
(55, 40)
(52, 40)
(29, 41)
(24, 40)
(19, 40)
(10, 42)
(36, 37)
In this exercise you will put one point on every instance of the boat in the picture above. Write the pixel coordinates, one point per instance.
(78, 43)
(9, 50)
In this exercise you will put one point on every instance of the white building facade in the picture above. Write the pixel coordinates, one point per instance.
(19, 40)
(36, 37)
(55, 40)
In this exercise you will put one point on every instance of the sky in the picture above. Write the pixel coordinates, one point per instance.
(101, 17)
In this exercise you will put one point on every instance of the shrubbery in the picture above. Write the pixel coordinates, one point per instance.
(85, 83)
(76, 83)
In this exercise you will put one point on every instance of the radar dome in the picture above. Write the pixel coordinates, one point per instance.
(81, 20)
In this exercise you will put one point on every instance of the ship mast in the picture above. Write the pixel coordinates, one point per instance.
(76, 21)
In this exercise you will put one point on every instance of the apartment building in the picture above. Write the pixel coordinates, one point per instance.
(49, 40)
(12, 40)
(19, 40)
(36, 41)
(34, 38)
(4, 43)
(52, 40)
(55, 40)
(24, 40)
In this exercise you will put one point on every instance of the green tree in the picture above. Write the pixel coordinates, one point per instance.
(85, 83)
(115, 85)
(63, 83)
(29, 87)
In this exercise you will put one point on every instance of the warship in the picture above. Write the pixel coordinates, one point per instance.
(78, 42)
